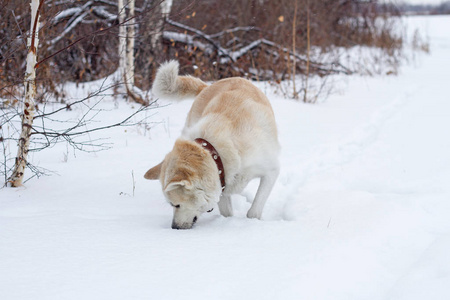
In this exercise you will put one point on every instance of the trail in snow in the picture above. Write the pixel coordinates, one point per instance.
(334, 155)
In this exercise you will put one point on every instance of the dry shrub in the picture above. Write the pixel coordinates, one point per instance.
(342, 24)
(228, 25)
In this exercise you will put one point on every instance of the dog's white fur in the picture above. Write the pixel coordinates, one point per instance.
(237, 119)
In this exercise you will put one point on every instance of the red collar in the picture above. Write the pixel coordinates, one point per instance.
(216, 157)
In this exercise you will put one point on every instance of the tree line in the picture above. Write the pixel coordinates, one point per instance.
(212, 39)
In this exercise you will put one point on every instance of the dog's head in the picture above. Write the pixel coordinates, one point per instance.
(189, 183)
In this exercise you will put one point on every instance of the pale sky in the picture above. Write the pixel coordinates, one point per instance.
(421, 1)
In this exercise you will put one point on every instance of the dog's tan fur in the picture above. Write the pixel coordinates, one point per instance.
(237, 119)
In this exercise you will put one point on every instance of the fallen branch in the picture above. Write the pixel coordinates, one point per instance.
(198, 33)
(230, 57)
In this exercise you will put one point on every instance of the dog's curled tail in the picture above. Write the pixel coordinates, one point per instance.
(169, 85)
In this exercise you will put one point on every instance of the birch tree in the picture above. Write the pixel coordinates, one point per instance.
(127, 35)
(16, 178)
(131, 35)
(122, 41)
(165, 8)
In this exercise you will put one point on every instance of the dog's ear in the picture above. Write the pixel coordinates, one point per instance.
(154, 172)
(181, 178)
(177, 184)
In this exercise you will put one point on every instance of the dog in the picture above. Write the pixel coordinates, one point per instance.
(229, 138)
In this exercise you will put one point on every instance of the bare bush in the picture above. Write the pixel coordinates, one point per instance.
(257, 37)
(277, 40)
(32, 133)
(51, 126)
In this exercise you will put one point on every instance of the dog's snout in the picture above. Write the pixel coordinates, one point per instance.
(183, 219)
(182, 226)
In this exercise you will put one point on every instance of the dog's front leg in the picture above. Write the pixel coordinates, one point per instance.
(265, 187)
(225, 207)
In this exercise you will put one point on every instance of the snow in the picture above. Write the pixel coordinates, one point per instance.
(361, 209)
(68, 13)
(69, 28)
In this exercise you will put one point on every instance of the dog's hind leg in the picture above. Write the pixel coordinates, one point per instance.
(265, 187)
(225, 207)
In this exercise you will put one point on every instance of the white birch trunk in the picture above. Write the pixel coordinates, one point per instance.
(130, 47)
(16, 178)
(122, 42)
(126, 52)
(166, 7)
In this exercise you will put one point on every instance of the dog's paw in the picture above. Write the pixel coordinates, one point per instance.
(226, 213)
(252, 214)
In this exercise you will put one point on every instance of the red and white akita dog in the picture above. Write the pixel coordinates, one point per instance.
(230, 138)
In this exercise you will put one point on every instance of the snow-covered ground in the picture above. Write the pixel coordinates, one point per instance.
(361, 209)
